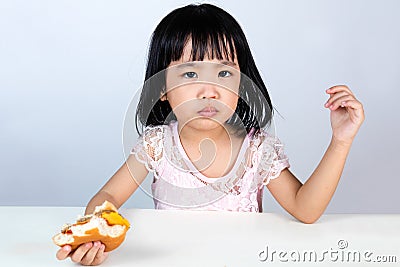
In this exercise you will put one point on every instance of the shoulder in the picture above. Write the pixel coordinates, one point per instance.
(156, 129)
(263, 138)
(157, 132)
(153, 138)
(269, 155)
(151, 131)
(268, 147)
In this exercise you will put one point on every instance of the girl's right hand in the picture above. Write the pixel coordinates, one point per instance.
(91, 253)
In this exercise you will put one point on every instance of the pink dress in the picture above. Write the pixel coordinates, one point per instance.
(179, 185)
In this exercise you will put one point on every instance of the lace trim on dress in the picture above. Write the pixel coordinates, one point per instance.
(149, 147)
(264, 156)
(271, 158)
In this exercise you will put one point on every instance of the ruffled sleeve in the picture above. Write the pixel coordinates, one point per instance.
(149, 147)
(271, 157)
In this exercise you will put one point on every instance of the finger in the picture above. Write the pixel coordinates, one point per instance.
(81, 251)
(339, 102)
(63, 252)
(355, 108)
(334, 97)
(101, 255)
(91, 254)
(339, 88)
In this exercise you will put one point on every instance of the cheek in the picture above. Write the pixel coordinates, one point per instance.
(231, 85)
(233, 102)
(180, 96)
(171, 82)
(232, 97)
(228, 104)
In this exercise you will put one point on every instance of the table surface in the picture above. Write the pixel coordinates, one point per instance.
(193, 238)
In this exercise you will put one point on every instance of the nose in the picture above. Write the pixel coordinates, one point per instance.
(207, 90)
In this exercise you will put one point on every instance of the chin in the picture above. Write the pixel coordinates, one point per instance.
(205, 124)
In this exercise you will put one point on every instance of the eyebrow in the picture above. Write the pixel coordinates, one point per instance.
(186, 64)
(228, 63)
(193, 64)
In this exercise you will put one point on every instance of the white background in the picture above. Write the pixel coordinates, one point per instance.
(69, 69)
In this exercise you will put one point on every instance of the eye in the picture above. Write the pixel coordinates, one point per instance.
(190, 75)
(224, 74)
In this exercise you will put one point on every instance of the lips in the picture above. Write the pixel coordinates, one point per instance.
(208, 112)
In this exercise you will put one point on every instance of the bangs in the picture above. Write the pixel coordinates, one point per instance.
(209, 32)
(204, 44)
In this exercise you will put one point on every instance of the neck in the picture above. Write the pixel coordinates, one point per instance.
(197, 135)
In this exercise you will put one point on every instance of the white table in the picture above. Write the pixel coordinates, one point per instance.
(188, 238)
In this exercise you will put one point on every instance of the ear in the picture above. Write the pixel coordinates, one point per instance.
(163, 95)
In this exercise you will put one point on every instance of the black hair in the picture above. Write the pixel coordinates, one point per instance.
(213, 33)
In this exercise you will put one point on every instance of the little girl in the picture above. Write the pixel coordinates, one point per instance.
(205, 112)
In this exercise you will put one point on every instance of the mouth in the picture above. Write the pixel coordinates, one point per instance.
(208, 112)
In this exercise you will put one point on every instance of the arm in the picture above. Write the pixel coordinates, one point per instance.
(117, 190)
(307, 202)
(121, 185)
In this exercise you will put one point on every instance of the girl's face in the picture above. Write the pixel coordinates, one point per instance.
(202, 94)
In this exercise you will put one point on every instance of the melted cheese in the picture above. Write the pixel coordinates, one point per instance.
(113, 218)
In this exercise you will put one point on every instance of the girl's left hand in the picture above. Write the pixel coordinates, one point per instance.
(347, 113)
